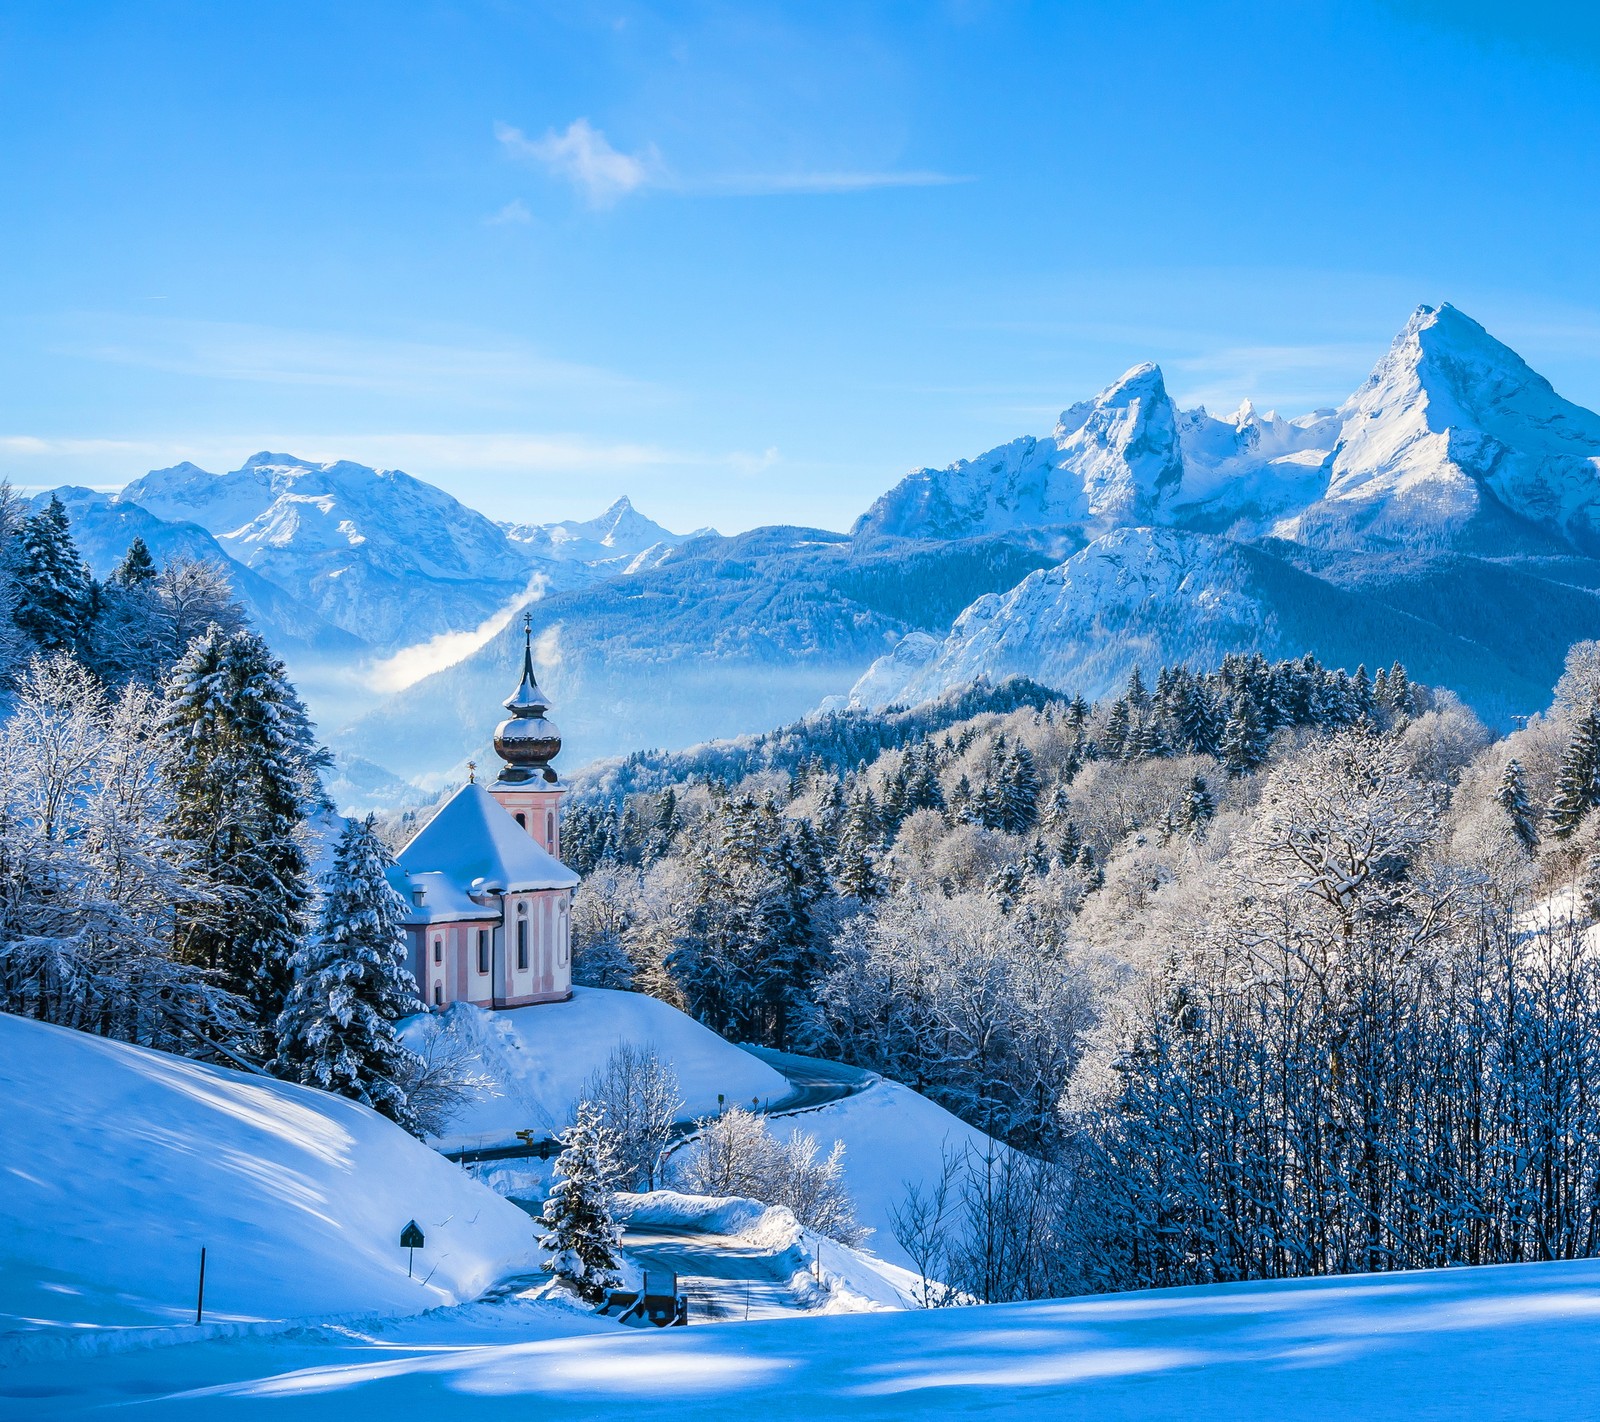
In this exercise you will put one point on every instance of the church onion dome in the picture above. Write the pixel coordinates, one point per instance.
(527, 742)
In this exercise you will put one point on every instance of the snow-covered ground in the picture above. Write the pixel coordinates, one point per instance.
(1504, 1343)
(539, 1059)
(120, 1164)
(892, 1137)
(739, 1258)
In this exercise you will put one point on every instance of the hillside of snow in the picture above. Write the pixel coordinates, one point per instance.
(539, 1059)
(1515, 1343)
(120, 1164)
(893, 1138)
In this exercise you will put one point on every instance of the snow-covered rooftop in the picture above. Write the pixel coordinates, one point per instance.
(473, 838)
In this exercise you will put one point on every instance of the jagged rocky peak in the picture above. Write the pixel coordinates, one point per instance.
(1123, 445)
(1452, 431)
(621, 531)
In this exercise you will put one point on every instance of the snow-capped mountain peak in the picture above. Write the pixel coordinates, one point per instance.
(1123, 446)
(620, 532)
(387, 557)
(1452, 427)
(1451, 432)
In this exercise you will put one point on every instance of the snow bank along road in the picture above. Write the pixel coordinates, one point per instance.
(1513, 1342)
(813, 1083)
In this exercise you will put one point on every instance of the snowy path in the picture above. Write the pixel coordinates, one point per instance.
(724, 1278)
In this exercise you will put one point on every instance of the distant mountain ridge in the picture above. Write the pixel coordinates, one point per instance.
(1451, 428)
(348, 558)
(1452, 498)
(1446, 514)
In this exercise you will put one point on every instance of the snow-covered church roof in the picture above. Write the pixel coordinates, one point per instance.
(473, 845)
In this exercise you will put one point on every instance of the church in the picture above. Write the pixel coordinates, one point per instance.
(489, 914)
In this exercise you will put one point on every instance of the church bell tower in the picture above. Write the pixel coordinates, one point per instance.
(528, 788)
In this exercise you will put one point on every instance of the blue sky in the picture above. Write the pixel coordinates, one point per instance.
(748, 263)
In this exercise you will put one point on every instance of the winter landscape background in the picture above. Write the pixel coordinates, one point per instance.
(1049, 832)
(1445, 515)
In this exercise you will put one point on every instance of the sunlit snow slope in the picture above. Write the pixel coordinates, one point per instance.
(539, 1059)
(121, 1163)
(1504, 1343)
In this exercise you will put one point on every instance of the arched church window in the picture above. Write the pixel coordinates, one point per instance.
(563, 928)
(550, 830)
(438, 994)
(522, 937)
(438, 950)
(522, 819)
(483, 950)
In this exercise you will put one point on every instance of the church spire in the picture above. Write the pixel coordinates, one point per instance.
(527, 699)
(527, 742)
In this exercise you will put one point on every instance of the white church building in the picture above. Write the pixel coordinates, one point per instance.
(490, 917)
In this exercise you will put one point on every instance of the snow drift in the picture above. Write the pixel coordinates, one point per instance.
(122, 1163)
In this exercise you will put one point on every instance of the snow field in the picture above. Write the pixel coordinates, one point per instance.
(121, 1164)
(540, 1058)
(892, 1137)
(1507, 1343)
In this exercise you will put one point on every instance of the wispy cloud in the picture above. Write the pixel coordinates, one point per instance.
(764, 184)
(514, 213)
(583, 156)
(487, 373)
(422, 453)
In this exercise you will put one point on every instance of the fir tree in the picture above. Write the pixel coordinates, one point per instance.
(1199, 809)
(579, 1229)
(1578, 789)
(1017, 809)
(55, 596)
(1137, 697)
(1114, 739)
(1244, 741)
(1512, 797)
(242, 769)
(1196, 720)
(352, 984)
(137, 568)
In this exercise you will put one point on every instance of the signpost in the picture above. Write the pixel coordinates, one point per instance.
(200, 1298)
(410, 1239)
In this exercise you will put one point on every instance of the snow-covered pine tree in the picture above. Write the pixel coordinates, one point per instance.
(580, 1230)
(1512, 797)
(1114, 739)
(1578, 789)
(137, 567)
(1244, 741)
(55, 594)
(352, 984)
(1199, 809)
(242, 766)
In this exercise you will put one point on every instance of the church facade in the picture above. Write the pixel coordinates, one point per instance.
(489, 902)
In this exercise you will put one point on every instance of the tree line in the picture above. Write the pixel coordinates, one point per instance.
(1268, 970)
(160, 810)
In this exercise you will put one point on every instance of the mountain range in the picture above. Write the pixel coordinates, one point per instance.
(1447, 514)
